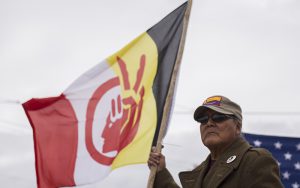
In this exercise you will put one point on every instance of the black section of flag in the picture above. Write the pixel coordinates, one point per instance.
(166, 34)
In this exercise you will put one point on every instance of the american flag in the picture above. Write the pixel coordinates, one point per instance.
(286, 151)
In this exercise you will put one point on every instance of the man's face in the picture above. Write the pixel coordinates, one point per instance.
(221, 134)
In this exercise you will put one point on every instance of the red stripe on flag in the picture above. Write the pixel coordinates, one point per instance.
(124, 72)
(55, 129)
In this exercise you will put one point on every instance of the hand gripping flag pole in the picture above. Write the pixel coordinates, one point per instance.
(170, 95)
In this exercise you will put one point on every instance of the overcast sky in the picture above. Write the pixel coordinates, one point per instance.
(247, 50)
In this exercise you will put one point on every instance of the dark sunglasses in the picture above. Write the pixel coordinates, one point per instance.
(218, 118)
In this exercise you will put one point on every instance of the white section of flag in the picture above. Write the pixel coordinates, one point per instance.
(88, 170)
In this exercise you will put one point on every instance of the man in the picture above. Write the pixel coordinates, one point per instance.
(232, 162)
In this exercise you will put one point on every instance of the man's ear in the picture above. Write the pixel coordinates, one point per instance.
(239, 127)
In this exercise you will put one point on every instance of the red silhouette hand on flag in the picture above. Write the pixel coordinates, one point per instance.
(123, 120)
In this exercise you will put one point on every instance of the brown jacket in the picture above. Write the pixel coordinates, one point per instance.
(240, 166)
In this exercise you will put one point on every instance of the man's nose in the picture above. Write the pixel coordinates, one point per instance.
(210, 122)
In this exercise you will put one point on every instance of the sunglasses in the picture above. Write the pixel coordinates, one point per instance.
(218, 118)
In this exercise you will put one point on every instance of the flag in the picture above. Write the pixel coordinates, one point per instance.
(286, 150)
(107, 118)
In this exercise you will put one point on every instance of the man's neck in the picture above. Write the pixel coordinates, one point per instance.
(217, 151)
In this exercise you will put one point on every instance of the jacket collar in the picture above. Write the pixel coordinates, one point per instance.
(229, 161)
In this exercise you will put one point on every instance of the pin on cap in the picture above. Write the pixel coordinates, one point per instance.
(231, 159)
(219, 104)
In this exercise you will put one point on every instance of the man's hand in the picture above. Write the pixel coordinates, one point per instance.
(156, 160)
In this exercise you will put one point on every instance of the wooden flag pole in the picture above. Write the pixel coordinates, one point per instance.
(170, 95)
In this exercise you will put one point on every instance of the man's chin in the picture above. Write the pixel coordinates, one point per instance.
(211, 141)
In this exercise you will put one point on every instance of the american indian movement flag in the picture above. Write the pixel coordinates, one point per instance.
(108, 117)
(286, 150)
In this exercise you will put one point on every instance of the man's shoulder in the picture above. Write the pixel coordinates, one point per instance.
(258, 157)
(196, 169)
(258, 152)
(201, 166)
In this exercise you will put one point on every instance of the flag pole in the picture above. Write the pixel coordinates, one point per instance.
(170, 95)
